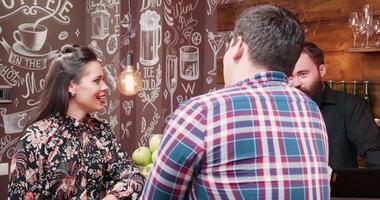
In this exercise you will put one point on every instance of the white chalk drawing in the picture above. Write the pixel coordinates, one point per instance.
(113, 122)
(171, 79)
(31, 36)
(212, 89)
(216, 41)
(150, 89)
(100, 22)
(110, 73)
(63, 35)
(183, 13)
(116, 24)
(15, 101)
(165, 93)
(77, 32)
(91, 4)
(5, 143)
(212, 4)
(54, 9)
(99, 53)
(167, 36)
(127, 22)
(125, 130)
(150, 37)
(15, 122)
(171, 66)
(112, 44)
(30, 50)
(181, 98)
(113, 105)
(32, 87)
(131, 31)
(22, 57)
(150, 4)
(189, 62)
(209, 80)
(127, 106)
(11, 76)
(171, 49)
(4, 168)
(189, 88)
(196, 38)
(143, 124)
(168, 15)
(147, 133)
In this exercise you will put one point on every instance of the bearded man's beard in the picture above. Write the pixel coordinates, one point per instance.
(315, 92)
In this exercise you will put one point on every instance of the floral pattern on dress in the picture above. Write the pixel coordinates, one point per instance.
(61, 158)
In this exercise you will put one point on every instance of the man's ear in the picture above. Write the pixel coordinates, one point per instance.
(238, 48)
(322, 70)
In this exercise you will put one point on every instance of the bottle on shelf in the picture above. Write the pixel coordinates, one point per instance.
(330, 84)
(355, 88)
(367, 96)
(343, 86)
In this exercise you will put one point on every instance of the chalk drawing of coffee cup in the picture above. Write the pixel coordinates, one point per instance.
(31, 36)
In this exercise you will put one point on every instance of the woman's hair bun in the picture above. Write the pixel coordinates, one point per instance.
(68, 48)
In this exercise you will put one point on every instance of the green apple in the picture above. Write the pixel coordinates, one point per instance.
(154, 155)
(154, 142)
(147, 169)
(142, 156)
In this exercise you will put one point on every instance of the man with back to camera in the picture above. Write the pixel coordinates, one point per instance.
(350, 126)
(258, 138)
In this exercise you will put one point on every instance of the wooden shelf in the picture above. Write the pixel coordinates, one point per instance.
(363, 50)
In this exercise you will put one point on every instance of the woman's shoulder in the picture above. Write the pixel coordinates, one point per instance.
(41, 129)
(43, 125)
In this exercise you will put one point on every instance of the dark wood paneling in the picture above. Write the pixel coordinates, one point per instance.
(325, 24)
(306, 10)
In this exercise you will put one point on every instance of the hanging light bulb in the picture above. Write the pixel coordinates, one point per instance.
(129, 80)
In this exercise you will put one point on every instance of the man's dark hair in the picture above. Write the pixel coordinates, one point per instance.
(274, 37)
(314, 52)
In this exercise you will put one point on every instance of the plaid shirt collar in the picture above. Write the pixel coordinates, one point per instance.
(264, 77)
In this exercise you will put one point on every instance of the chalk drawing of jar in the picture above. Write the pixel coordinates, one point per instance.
(189, 62)
(150, 37)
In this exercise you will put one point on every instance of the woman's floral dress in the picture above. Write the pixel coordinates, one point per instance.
(61, 158)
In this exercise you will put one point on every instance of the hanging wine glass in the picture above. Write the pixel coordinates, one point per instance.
(367, 23)
(376, 29)
(354, 25)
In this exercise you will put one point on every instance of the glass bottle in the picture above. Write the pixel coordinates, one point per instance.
(343, 86)
(355, 88)
(330, 84)
(367, 96)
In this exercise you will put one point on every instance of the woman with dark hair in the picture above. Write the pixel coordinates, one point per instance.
(65, 153)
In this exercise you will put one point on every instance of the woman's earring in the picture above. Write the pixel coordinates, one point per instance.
(72, 92)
